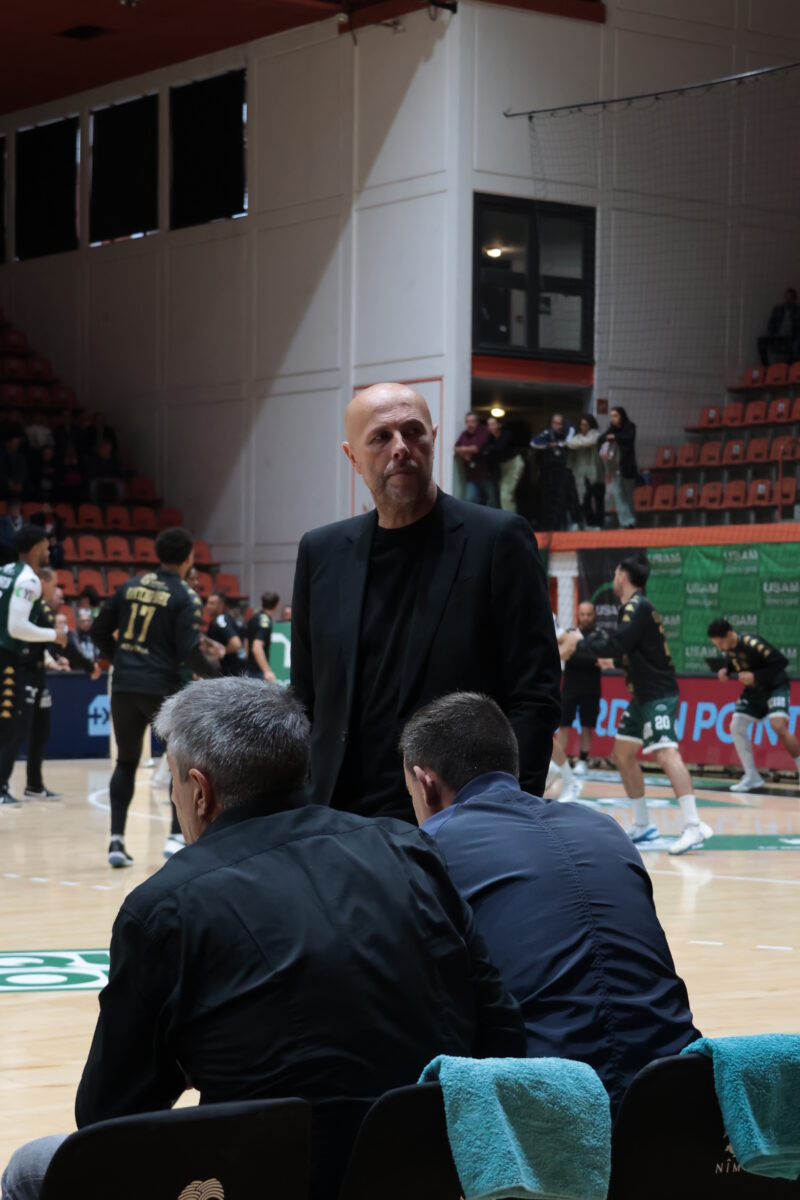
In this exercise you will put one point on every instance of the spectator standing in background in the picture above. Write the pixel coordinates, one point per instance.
(559, 498)
(621, 437)
(82, 639)
(259, 634)
(286, 613)
(13, 464)
(581, 690)
(222, 629)
(10, 524)
(39, 433)
(783, 330)
(470, 446)
(589, 471)
(54, 528)
(504, 454)
(106, 473)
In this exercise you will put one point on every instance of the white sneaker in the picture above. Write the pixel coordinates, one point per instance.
(570, 791)
(643, 833)
(580, 769)
(161, 775)
(552, 774)
(748, 783)
(693, 835)
(174, 843)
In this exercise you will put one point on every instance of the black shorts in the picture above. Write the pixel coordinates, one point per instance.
(131, 713)
(576, 698)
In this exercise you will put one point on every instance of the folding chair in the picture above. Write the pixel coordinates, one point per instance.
(239, 1151)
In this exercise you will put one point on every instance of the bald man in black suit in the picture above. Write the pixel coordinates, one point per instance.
(424, 596)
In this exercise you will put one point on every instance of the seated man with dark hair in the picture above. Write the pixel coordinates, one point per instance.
(288, 950)
(559, 893)
(783, 330)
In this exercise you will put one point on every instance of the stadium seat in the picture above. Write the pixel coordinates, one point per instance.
(118, 517)
(711, 496)
(116, 578)
(63, 397)
(12, 368)
(755, 413)
(202, 554)
(144, 551)
(753, 377)
(711, 416)
(783, 449)
(90, 548)
(90, 516)
(687, 498)
(779, 411)
(205, 584)
(68, 611)
(37, 395)
(687, 455)
(665, 457)
(794, 373)
(735, 452)
(664, 498)
(711, 454)
(733, 414)
(29, 508)
(735, 494)
(66, 581)
(13, 341)
(784, 494)
(140, 487)
(227, 584)
(12, 395)
(759, 494)
(643, 499)
(67, 514)
(90, 577)
(796, 410)
(169, 517)
(38, 368)
(758, 450)
(118, 550)
(70, 550)
(143, 518)
(776, 374)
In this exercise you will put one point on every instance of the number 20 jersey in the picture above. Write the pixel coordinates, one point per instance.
(158, 620)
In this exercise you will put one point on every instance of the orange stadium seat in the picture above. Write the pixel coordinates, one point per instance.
(796, 409)
(785, 493)
(70, 552)
(776, 374)
(758, 450)
(711, 454)
(143, 518)
(118, 517)
(755, 413)
(118, 550)
(711, 416)
(144, 551)
(29, 508)
(227, 584)
(67, 514)
(68, 611)
(735, 452)
(753, 377)
(89, 577)
(732, 414)
(711, 496)
(794, 373)
(12, 395)
(735, 494)
(66, 582)
(643, 499)
(783, 449)
(140, 487)
(90, 516)
(169, 517)
(665, 457)
(12, 368)
(205, 584)
(688, 497)
(664, 498)
(759, 494)
(779, 411)
(688, 455)
(116, 578)
(202, 554)
(90, 548)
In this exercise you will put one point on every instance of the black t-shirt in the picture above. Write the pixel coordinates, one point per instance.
(259, 629)
(371, 781)
(581, 672)
(639, 647)
(221, 629)
(753, 653)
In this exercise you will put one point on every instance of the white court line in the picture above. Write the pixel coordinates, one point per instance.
(96, 802)
(697, 942)
(102, 887)
(68, 883)
(736, 878)
(788, 948)
(11, 875)
(39, 879)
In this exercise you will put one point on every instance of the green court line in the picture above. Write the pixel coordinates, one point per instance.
(53, 970)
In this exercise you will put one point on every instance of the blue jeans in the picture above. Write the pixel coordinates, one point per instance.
(483, 491)
(27, 1167)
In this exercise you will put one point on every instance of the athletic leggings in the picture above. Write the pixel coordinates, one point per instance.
(131, 713)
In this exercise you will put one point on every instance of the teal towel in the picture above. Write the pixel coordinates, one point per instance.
(757, 1081)
(529, 1127)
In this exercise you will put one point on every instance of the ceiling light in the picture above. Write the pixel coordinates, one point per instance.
(494, 252)
(497, 411)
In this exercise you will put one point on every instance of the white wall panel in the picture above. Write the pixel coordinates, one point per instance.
(721, 13)
(47, 307)
(206, 312)
(780, 18)
(774, 254)
(400, 100)
(399, 281)
(645, 62)
(123, 324)
(301, 125)
(206, 449)
(298, 298)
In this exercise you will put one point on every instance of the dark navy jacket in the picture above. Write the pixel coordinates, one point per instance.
(565, 905)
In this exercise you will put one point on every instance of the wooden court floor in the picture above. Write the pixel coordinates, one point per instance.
(731, 912)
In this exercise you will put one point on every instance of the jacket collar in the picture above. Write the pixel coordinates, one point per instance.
(266, 805)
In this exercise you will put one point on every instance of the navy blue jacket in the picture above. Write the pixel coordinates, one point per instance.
(565, 905)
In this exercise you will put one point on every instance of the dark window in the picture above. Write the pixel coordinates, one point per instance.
(2, 199)
(124, 193)
(46, 207)
(533, 279)
(207, 128)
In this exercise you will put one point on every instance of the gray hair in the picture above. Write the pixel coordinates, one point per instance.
(460, 736)
(248, 736)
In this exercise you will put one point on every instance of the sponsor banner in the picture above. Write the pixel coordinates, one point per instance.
(703, 724)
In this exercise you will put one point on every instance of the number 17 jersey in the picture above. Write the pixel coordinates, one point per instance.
(158, 621)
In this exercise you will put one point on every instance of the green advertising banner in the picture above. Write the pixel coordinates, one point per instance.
(754, 587)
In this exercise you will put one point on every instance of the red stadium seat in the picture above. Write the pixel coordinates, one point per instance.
(796, 409)
(118, 550)
(90, 516)
(753, 377)
(140, 487)
(755, 413)
(735, 452)
(227, 584)
(70, 550)
(688, 497)
(735, 494)
(39, 368)
(643, 499)
(711, 454)
(13, 341)
(89, 577)
(732, 414)
(37, 395)
(794, 373)
(168, 518)
(758, 450)
(759, 494)
(90, 548)
(776, 374)
(779, 411)
(67, 514)
(664, 498)
(784, 494)
(68, 611)
(205, 584)
(66, 581)
(783, 449)
(688, 455)
(12, 395)
(118, 517)
(711, 416)
(665, 457)
(144, 551)
(143, 518)
(202, 554)
(63, 397)
(12, 368)
(29, 508)
(711, 496)
(116, 578)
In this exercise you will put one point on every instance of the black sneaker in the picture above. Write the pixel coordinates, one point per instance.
(117, 854)
(42, 793)
(7, 799)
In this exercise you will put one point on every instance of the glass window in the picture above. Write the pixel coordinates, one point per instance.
(208, 150)
(46, 201)
(124, 192)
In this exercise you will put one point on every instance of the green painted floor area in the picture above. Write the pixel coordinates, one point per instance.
(53, 970)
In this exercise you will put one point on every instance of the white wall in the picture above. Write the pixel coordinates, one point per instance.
(226, 354)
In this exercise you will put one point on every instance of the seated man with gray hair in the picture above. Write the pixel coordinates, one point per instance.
(288, 950)
(559, 891)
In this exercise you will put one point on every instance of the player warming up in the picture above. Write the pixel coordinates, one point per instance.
(158, 621)
(762, 669)
(638, 646)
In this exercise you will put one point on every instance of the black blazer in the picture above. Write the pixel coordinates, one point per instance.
(482, 623)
